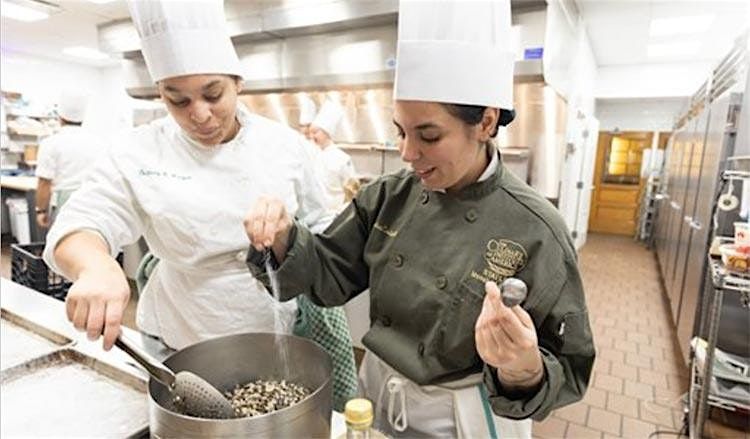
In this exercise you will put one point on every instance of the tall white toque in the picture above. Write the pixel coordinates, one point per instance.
(181, 38)
(454, 51)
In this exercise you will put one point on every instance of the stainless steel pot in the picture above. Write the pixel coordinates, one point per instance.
(239, 359)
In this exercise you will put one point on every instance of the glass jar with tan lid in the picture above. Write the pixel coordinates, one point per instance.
(359, 416)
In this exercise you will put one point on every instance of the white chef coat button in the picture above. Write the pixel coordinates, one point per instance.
(241, 256)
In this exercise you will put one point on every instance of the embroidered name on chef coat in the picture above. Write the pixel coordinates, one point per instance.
(503, 258)
(154, 173)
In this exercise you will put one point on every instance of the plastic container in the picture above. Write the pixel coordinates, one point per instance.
(29, 269)
(18, 211)
(733, 259)
(742, 236)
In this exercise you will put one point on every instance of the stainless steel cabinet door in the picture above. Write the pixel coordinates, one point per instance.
(694, 177)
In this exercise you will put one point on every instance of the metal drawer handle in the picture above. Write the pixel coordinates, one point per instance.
(674, 205)
(696, 225)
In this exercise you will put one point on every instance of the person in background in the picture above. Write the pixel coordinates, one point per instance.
(446, 357)
(306, 115)
(340, 176)
(64, 158)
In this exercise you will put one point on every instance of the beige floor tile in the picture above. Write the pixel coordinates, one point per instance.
(636, 429)
(602, 366)
(653, 378)
(652, 412)
(655, 352)
(624, 405)
(638, 337)
(611, 354)
(624, 371)
(595, 397)
(638, 360)
(550, 428)
(579, 431)
(604, 420)
(626, 346)
(574, 413)
(609, 383)
(639, 390)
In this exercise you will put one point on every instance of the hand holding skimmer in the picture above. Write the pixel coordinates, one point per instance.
(194, 395)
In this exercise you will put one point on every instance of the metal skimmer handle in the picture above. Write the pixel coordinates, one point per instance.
(154, 367)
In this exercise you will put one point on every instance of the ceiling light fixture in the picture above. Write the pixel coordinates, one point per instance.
(694, 24)
(672, 49)
(27, 10)
(85, 52)
(101, 2)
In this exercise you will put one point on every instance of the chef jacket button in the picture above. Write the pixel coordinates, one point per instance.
(441, 282)
(471, 215)
(386, 321)
(241, 256)
(420, 349)
(397, 260)
(424, 198)
(456, 301)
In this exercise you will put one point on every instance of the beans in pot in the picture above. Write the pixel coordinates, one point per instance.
(265, 396)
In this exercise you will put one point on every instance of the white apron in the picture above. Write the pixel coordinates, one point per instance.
(455, 409)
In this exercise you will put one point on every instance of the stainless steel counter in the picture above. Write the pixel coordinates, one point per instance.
(50, 313)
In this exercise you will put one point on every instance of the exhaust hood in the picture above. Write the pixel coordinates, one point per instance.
(292, 45)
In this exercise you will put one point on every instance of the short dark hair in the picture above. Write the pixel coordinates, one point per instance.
(472, 114)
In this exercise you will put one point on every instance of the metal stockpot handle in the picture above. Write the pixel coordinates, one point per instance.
(154, 367)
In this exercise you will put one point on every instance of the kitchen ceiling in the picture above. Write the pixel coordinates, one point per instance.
(618, 29)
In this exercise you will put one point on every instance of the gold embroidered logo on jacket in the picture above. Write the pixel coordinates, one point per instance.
(504, 258)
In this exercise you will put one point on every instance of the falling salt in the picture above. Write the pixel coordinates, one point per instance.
(280, 328)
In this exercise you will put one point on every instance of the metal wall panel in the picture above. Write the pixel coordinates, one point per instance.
(701, 222)
(662, 206)
(693, 173)
(671, 206)
(677, 201)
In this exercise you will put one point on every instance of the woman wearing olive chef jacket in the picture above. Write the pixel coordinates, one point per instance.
(445, 356)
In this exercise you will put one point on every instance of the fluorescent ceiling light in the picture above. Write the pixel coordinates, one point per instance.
(694, 24)
(26, 11)
(672, 49)
(101, 2)
(84, 52)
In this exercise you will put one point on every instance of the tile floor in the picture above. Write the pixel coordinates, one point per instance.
(639, 376)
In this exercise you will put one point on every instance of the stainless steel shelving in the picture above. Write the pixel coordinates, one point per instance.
(721, 280)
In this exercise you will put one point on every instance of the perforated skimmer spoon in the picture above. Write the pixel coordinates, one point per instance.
(194, 395)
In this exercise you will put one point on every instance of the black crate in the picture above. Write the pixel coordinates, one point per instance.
(29, 269)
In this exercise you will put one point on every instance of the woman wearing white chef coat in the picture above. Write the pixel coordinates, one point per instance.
(184, 183)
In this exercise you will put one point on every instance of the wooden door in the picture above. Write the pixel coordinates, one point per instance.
(617, 180)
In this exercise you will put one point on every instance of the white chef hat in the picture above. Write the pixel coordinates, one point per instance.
(72, 106)
(329, 116)
(455, 52)
(181, 38)
(306, 109)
